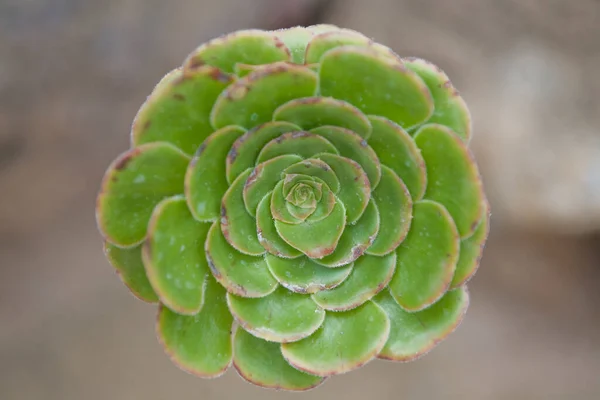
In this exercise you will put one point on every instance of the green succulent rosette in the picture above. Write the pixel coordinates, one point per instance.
(298, 203)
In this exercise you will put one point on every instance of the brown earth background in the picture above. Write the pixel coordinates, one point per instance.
(74, 72)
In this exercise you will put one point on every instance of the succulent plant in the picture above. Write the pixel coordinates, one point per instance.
(298, 203)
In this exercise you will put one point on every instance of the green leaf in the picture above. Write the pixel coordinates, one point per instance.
(326, 41)
(252, 47)
(178, 110)
(205, 180)
(355, 190)
(194, 348)
(471, 250)
(239, 273)
(370, 275)
(453, 177)
(244, 152)
(375, 83)
(355, 239)
(318, 169)
(261, 363)
(395, 212)
(302, 144)
(303, 275)
(282, 316)
(352, 146)
(295, 39)
(397, 150)
(133, 185)
(279, 209)
(267, 233)
(346, 341)
(427, 258)
(450, 108)
(128, 264)
(238, 226)
(313, 112)
(174, 256)
(413, 334)
(325, 205)
(315, 239)
(251, 100)
(263, 179)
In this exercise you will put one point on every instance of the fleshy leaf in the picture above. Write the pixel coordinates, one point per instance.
(453, 177)
(355, 190)
(282, 316)
(303, 144)
(318, 169)
(279, 210)
(427, 258)
(355, 239)
(237, 225)
(252, 47)
(471, 250)
(413, 334)
(133, 185)
(252, 99)
(325, 205)
(352, 146)
(312, 112)
(128, 264)
(295, 39)
(239, 273)
(205, 180)
(450, 108)
(315, 239)
(193, 347)
(395, 212)
(370, 275)
(346, 341)
(174, 256)
(263, 179)
(260, 362)
(376, 84)
(267, 233)
(326, 41)
(245, 150)
(178, 110)
(397, 150)
(303, 275)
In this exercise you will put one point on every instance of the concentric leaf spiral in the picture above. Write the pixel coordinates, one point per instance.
(298, 202)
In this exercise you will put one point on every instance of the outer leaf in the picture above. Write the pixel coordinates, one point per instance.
(395, 211)
(450, 109)
(426, 259)
(313, 112)
(252, 47)
(302, 144)
(303, 275)
(454, 179)
(178, 109)
(205, 180)
(282, 316)
(413, 334)
(174, 258)
(267, 233)
(237, 225)
(245, 150)
(370, 275)
(352, 146)
(471, 250)
(261, 363)
(318, 169)
(252, 99)
(355, 189)
(346, 341)
(193, 347)
(375, 83)
(128, 264)
(398, 151)
(241, 274)
(132, 186)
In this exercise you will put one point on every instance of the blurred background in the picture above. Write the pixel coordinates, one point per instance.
(73, 74)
